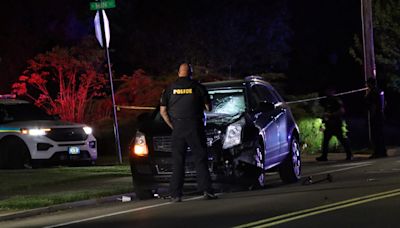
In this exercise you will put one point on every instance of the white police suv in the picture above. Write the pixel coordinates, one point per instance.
(30, 137)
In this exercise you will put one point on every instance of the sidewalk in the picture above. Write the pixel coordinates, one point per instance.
(357, 155)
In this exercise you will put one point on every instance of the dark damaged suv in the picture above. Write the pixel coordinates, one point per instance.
(249, 131)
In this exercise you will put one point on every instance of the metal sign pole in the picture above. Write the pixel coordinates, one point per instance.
(116, 128)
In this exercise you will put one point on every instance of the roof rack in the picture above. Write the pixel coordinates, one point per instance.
(8, 96)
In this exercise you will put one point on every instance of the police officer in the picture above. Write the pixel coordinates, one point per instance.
(333, 120)
(375, 106)
(182, 108)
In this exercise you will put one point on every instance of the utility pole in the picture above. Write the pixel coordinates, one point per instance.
(368, 39)
(368, 47)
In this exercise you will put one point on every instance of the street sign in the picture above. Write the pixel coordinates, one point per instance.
(98, 28)
(106, 4)
(102, 29)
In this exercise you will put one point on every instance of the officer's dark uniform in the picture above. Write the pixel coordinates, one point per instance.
(333, 121)
(375, 106)
(185, 100)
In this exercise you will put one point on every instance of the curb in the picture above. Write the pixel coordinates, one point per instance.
(59, 207)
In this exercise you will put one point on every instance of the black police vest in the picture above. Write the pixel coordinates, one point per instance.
(185, 100)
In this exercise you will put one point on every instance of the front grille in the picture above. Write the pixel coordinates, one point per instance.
(162, 143)
(67, 134)
(167, 168)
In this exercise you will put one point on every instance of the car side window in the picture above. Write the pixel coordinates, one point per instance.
(277, 95)
(262, 93)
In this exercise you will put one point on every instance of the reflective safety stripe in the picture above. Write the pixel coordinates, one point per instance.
(9, 130)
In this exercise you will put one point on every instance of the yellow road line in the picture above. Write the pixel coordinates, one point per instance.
(320, 209)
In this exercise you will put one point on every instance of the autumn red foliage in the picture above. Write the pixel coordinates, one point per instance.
(64, 80)
(139, 89)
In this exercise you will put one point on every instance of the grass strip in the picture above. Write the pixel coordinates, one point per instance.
(30, 202)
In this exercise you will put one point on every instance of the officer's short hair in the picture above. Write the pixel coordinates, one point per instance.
(189, 68)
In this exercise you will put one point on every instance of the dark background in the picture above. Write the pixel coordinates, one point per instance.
(307, 40)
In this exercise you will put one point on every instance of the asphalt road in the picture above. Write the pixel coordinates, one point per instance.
(363, 193)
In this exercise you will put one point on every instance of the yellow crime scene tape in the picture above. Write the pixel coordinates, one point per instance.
(119, 107)
(323, 97)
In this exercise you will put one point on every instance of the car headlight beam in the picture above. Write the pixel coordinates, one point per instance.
(88, 130)
(35, 131)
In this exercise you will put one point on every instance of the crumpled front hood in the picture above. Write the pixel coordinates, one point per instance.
(222, 119)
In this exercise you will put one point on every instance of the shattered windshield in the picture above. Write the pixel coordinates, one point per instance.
(226, 102)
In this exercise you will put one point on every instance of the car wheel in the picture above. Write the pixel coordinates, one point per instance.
(142, 190)
(290, 169)
(3, 156)
(15, 154)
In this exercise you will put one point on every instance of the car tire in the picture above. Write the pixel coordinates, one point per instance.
(15, 153)
(3, 156)
(142, 190)
(290, 169)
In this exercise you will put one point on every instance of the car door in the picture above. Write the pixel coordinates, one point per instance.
(266, 122)
(281, 121)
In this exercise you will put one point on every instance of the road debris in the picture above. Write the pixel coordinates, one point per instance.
(309, 180)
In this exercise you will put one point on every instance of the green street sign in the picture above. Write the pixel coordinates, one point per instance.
(106, 4)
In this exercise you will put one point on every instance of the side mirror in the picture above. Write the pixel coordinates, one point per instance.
(265, 106)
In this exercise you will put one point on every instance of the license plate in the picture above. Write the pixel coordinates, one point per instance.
(74, 150)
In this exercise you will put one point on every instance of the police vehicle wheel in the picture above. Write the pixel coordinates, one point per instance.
(290, 169)
(16, 153)
(3, 156)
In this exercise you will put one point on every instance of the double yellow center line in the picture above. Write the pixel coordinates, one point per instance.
(321, 209)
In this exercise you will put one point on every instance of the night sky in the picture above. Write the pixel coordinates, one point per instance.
(307, 40)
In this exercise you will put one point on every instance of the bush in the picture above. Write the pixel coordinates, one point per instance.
(307, 115)
(311, 135)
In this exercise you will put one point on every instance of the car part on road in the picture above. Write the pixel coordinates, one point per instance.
(309, 180)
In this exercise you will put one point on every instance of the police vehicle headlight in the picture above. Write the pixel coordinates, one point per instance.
(139, 148)
(35, 131)
(233, 134)
(88, 130)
